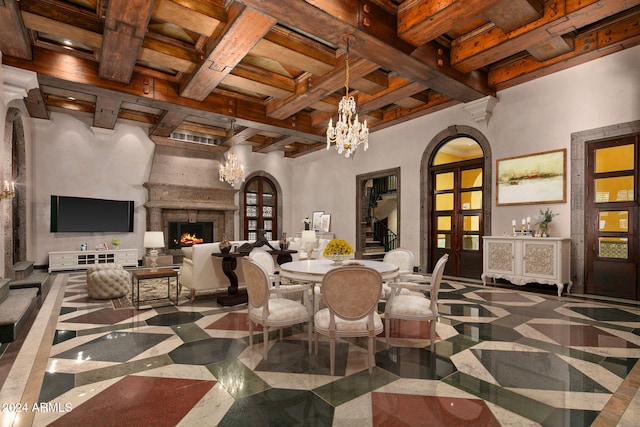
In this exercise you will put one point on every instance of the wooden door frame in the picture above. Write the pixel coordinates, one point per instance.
(362, 201)
(241, 210)
(434, 145)
(578, 171)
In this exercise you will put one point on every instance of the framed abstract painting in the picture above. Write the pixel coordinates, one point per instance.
(531, 179)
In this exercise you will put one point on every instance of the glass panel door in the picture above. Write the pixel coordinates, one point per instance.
(260, 211)
(611, 209)
(457, 207)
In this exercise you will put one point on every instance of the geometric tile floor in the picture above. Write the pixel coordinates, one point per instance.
(502, 357)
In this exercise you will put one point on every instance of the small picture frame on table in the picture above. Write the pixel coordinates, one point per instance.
(324, 224)
(316, 220)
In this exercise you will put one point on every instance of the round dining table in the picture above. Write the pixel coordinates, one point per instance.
(313, 270)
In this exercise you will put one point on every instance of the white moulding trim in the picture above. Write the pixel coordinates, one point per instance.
(481, 109)
(17, 83)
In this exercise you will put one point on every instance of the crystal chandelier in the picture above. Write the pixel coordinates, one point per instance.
(348, 133)
(232, 172)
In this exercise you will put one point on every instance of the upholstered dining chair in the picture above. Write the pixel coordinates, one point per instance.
(265, 259)
(414, 305)
(273, 312)
(403, 259)
(351, 294)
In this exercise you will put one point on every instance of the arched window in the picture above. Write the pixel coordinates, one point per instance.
(260, 208)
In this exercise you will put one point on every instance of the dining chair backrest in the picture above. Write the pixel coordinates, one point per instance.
(265, 259)
(257, 282)
(352, 292)
(403, 258)
(436, 278)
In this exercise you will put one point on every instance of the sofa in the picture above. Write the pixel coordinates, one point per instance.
(202, 272)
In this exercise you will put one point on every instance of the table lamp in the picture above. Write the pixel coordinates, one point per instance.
(152, 240)
(308, 240)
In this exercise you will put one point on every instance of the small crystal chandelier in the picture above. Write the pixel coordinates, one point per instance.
(232, 172)
(348, 133)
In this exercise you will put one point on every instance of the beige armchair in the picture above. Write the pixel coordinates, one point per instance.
(273, 312)
(414, 305)
(351, 294)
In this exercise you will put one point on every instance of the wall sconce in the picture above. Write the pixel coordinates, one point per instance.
(8, 190)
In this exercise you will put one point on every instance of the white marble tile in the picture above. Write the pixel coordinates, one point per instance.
(356, 412)
(210, 409)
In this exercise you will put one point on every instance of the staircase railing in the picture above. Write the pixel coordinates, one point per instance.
(384, 235)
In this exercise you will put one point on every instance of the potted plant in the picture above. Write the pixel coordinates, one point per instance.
(543, 219)
(338, 250)
(115, 242)
(307, 222)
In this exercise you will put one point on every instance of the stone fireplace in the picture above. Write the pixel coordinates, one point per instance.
(194, 201)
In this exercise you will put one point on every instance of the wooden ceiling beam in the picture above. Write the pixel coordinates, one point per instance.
(422, 21)
(62, 30)
(376, 41)
(107, 110)
(244, 30)
(317, 90)
(169, 121)
(125, 26)
(200, 21)
(623, 33)
(36, 105)
(560, 17)
(398, 89)
(66, 13)
(14, 40)
(67, 71)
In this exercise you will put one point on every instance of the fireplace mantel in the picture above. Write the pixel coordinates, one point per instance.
(170, 202)
(170, 196)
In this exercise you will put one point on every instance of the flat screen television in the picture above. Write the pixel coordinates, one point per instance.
(88, 215)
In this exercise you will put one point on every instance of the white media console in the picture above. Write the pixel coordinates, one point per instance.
(81, 260)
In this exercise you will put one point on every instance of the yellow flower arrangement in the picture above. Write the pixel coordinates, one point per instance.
(337, 247)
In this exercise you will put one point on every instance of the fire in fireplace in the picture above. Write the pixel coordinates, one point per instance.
(189, 233)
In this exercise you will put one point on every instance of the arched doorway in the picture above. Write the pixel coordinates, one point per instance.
(456, 192)
(261, 207)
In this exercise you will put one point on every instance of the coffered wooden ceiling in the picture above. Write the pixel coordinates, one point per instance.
(185, 67)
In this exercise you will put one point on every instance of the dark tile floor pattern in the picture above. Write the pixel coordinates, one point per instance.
(503, 357)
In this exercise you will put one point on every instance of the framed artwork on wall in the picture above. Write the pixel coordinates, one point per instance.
(326, 220)
(316, 220)
(530, 179)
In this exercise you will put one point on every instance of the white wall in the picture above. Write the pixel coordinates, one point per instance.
(69, 159)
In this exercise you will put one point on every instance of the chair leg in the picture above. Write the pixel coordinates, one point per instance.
(310, 328)
(387, 327)
(432, 334)
(193, 295)
(250, 334)
(265, 338)
(371, 355)
(332, 354)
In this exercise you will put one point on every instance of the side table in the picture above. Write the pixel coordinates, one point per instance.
(283, 255)
(229, 264)
(146, 274)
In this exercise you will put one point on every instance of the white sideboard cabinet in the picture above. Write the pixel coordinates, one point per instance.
(81, 260)
(522, 260)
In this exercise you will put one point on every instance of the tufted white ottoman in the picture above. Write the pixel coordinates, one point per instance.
(106, 281)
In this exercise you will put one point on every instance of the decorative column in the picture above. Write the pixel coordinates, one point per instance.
(154, 219)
